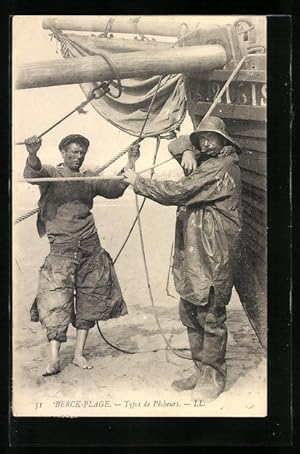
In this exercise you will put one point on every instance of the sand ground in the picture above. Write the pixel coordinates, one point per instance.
(126, 384)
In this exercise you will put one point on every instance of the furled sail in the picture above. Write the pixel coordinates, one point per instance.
(128, 112)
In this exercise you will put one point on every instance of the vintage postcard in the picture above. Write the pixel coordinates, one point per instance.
(139, 216)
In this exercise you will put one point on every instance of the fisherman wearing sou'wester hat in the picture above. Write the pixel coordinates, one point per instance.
(207, 235)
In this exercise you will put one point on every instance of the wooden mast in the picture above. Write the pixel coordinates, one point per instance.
(147, 25)
(129, 65)
(122, 44)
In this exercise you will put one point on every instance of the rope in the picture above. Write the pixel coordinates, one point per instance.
(143, 252)
(139, 210)
(26, 215)
(116, 258)
(116, 73)
(78, 108)
(119, 349)
(63, 39)
(116, 157)
(87, 178)
(142, 205)
(224, 88)
(216, 101)
(100, 169)
(111, 161)
(104, 87)
(150, 289)
(143, 245)
(61, 179)
(226, 85)
(128, 351)
(130, 232)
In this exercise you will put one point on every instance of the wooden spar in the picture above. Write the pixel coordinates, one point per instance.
(64, 179)
(90, 178)
(147, 25)
(129, 65)
(122, 45)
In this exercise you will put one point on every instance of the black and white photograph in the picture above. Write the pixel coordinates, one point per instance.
(139, 216)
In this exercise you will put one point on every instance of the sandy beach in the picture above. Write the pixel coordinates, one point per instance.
(126, 384)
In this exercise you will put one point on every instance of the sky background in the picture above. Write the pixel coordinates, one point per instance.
(36, 109)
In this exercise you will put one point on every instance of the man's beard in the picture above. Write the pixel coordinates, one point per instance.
(210, 152)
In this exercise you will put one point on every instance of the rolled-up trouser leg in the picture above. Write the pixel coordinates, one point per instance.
(84, 324)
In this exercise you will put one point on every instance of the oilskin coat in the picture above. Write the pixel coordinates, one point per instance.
(207, 228)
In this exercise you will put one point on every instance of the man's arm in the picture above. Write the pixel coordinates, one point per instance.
(33, 144)
(205, 185)
(112, 189)
(184, 153)
(33, 166)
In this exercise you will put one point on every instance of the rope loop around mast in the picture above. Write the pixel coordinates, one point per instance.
(149, 287)
(116, 74)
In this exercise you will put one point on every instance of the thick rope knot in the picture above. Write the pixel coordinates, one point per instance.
(62, 40)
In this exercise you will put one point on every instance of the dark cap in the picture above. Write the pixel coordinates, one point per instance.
(74, 138)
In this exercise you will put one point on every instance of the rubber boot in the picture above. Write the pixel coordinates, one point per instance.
(188, 383)
(210, 385)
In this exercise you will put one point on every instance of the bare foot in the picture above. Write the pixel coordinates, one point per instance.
(52, 368)
(80, 361)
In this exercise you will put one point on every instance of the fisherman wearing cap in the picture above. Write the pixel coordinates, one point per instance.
(206, 244)
(77, 263)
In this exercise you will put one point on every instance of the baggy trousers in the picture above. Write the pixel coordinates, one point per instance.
(81, 267)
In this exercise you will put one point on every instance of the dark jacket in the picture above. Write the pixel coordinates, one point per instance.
(65, 207)
(207, 228)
